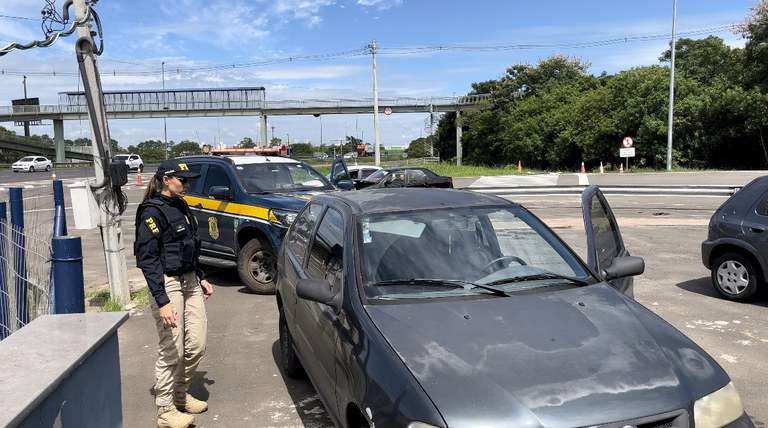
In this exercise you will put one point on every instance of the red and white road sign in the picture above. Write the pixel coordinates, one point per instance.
(387, 110)
(627, 142)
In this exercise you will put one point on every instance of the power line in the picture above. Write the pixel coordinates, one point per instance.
(364, 51)
(532, 46)
(22, 18)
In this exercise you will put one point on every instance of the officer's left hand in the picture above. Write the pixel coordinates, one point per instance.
(207, 288)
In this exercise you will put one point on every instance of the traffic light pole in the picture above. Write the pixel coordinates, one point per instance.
(110, 223)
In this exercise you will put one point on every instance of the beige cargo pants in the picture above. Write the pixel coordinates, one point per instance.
(181, 347)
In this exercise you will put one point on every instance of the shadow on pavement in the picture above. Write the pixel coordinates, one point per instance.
(225, 277)
(309, 407)
(704, 287)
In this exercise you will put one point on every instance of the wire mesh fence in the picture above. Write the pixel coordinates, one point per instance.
(25, 263)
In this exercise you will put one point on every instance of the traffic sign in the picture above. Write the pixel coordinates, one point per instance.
(628, 152)
(387, 110)
(627, 142)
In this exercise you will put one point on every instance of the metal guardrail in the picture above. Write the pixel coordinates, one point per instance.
(159, 106)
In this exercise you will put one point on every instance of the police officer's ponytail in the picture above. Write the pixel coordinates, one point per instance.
(152, 188)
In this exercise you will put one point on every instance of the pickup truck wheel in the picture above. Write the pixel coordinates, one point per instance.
(289, 361)
(735, 277)
(257, 267)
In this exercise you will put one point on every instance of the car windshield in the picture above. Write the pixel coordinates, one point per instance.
(121, 157)
(27, 159)
(280, 177)
(403, 254)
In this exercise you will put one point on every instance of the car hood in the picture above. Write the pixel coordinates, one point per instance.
(293, 201)
(548, 359)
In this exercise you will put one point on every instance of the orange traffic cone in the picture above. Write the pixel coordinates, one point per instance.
(602, 170)
(621, 168)
(519, 166)
(582, 169)
(138, 180)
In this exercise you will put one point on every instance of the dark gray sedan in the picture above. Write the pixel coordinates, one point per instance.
(443, 308)
(736, 249)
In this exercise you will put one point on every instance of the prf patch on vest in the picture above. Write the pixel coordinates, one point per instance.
(152, 225)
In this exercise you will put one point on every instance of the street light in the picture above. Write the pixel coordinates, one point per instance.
(671, 88)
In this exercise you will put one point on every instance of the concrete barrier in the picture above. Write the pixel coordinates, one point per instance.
(62, 371)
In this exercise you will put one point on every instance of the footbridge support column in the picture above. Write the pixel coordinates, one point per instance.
(458, 137)
(264, 141)
(58, 138)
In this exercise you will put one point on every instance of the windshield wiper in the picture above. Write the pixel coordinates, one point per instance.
(536, 277)
(434, 282)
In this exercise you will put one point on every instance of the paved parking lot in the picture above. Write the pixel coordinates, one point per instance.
(240, 377)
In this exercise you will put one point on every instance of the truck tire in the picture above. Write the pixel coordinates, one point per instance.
(257, 267)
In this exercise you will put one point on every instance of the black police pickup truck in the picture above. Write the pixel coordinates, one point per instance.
(244, 205)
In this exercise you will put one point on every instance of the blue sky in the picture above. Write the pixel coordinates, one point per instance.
(140, 34)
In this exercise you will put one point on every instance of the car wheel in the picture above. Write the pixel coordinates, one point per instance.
(48, 168)
(31, 169)
(257, 267)
(735, 277)
(288, 358)
(140, 169)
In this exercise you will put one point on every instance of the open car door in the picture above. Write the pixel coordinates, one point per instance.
(606, 253)
(340, 174)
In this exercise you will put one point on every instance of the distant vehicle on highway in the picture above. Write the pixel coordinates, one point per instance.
(359, 172)
(132, 160)
(404, 177)
(445, 308)
(32, 164)
(736, 249)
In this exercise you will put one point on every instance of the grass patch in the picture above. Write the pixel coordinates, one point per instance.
(101, 299)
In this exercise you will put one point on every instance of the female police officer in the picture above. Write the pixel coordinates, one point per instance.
(167, 250)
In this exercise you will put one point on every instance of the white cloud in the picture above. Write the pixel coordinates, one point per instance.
(307, 10)
(380, 4)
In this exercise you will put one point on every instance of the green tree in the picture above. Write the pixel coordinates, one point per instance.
(302, 149)
(275, 141)
(246, 143)
(151, 150)
(419, 147)
(186, 148)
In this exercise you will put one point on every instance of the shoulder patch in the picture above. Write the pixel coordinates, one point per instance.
(152, 224)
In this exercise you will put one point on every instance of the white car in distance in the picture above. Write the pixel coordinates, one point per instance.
(32, 164)
(132, 160)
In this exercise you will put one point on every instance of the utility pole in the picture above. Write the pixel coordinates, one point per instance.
(376, 135)
(26, 124)
(111, 235)
(165, 107)
(431, 131)
(273, 137)
(672, 87)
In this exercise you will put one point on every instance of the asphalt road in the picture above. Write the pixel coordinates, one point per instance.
(241, 379)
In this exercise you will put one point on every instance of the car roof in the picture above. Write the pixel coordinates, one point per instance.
(407, 199)
(357, 167)
(241, 160)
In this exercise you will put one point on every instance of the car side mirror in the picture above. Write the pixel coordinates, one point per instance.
(220, 192)
(317, 290)
(623, 267)
(345, 184)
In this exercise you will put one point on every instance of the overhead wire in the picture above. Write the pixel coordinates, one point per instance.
(364, 51)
